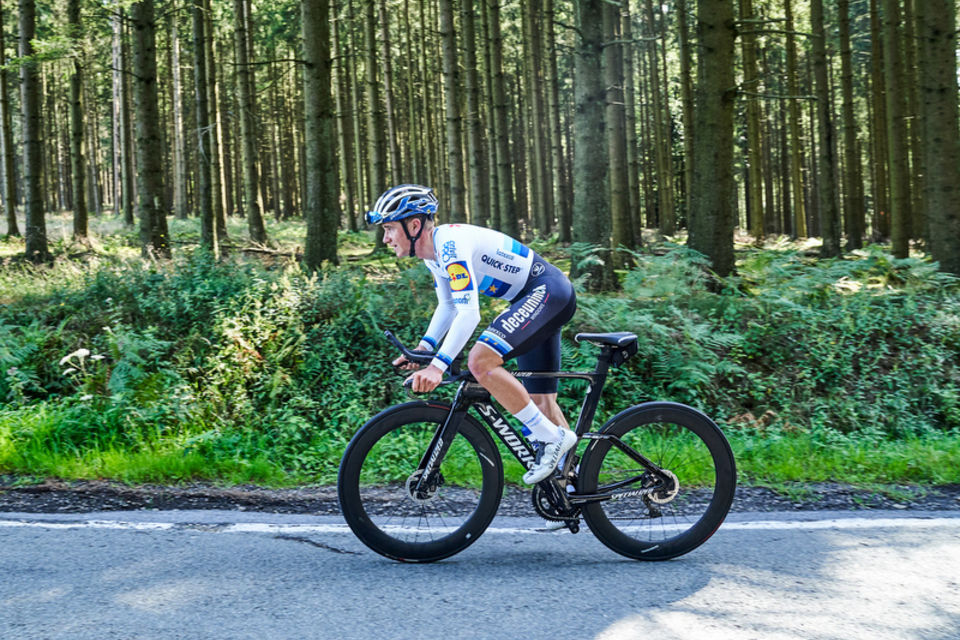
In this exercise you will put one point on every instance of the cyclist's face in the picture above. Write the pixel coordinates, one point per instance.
(396, 239)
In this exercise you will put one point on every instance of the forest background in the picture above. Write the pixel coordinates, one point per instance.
(765, 192)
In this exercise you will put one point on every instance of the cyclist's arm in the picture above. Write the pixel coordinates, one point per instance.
(464, 296)
(442, 318)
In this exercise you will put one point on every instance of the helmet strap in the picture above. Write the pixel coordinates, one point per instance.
(411, 238)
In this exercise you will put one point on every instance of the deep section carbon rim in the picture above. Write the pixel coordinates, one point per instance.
(379, 475)
(659, 516)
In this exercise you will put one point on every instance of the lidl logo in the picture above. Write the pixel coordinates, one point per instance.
(459, 276)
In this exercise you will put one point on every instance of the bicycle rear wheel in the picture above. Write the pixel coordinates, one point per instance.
(378, 474)
(658, 516)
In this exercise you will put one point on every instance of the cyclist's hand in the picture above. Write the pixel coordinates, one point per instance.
(426, 380)
(403, 363)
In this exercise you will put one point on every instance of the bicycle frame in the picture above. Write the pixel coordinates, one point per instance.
(470, 393)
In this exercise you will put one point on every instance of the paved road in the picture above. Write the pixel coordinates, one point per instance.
(236, 575)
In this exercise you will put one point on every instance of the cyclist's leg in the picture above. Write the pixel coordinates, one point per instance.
(544, 357)
(530, 326)
(486, 366)
(547, 403)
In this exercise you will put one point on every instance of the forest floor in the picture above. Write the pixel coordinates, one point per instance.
(26, 495)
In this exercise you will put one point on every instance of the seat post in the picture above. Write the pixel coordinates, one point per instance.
(604, 359)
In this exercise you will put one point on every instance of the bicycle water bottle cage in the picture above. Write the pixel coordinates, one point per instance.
(621, 345)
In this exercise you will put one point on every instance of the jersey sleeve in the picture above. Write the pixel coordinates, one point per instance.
(443, 315)
(459, 279)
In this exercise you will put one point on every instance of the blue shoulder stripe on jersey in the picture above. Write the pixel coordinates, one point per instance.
(444, 358)
(430, 341)
(498, 344)
(494, 288)
(516, 247)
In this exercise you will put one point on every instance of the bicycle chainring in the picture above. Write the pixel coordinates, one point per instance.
(547, 510)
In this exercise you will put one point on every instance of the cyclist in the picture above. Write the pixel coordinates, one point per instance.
(466, 261)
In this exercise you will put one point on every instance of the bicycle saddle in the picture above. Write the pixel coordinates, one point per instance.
(618, 339)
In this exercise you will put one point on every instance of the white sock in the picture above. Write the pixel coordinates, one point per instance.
(539, 426)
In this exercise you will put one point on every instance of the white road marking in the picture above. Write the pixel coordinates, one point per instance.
(308, 529)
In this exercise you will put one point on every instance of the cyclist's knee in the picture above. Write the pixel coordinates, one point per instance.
(482, 360)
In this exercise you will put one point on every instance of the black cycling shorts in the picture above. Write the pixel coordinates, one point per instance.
(530, 329)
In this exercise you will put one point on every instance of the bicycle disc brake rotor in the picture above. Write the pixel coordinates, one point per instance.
(428, 491)
(668, 491)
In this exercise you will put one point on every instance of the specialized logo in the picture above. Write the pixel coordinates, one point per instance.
(449, 251)
(638, 493)
(507, 434)
(527, 310)
(459, 276)
(433, 459)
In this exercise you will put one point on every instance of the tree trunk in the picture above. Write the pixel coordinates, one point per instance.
(359, 167)
(829, 212)
(661, 138)
(154, 238)
(248, 135)
(226, 144)
(751, 83)
(322, 204)
(686, 99)
(853, 204)
(492, 216)
(451, 93)
(630, 111)
(479, 207)
(796, 139)
(506, 208)
(179, 143)
(8, 187)
(881, 153)
(900, 214)
(78, 167)
(208, 226)
(914, 118)
(396, 170)
(561, 199)
(36, 227)
(938, 90)
(615, 117)
(591, 206)
(345, 125)
(375, 135)
(713, 215)
(533, 97)
(216, 185)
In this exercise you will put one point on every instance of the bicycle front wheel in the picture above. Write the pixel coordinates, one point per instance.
(379, 473)
(661, 514)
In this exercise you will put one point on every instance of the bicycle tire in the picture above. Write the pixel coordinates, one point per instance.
(373, 489)
(658, 525)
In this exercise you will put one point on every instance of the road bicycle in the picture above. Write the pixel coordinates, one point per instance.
(421, 481)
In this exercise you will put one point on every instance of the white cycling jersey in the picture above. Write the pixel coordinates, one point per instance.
(470, 261)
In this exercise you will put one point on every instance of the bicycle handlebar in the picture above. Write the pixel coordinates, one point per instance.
(424, 357)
